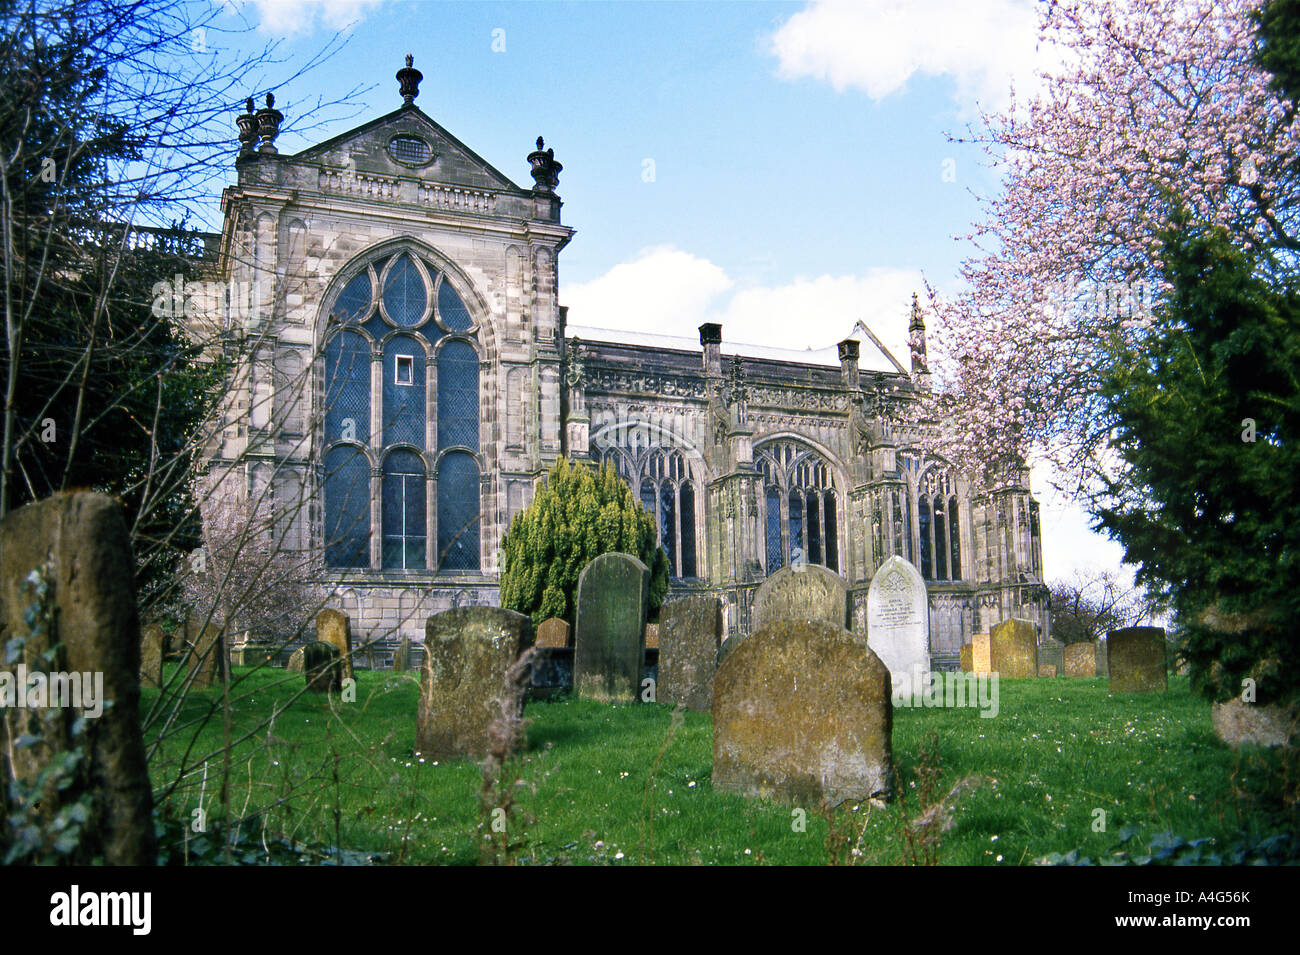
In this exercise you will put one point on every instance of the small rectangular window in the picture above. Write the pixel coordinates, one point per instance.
(404, 373)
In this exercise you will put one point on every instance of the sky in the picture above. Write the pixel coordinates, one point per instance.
(786, 169)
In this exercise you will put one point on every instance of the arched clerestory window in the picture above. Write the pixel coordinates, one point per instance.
(400, 420)
(801, 511)
(938, 525)
(661, 479)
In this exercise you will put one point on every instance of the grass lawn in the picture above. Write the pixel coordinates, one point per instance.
(331, 773)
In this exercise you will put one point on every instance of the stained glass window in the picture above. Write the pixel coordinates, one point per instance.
(347, 508)
(831, 535)
(353, 303)
(800, 501)
(404, 514)
(688, 529)
(404, 293)
(403, 409)
(457, 396)
(347, 388)
(452, 310)
(458, 512)
(954, 540)
(774, 552)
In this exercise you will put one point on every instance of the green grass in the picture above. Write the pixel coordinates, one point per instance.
(343, 774)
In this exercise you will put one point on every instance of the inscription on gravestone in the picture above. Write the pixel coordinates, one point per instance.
(898, 623)
(613, 596)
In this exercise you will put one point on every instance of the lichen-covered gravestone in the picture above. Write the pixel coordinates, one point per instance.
(92, 626)
(1081, 660)
(1101, 658)
(402, 658)
(1051, 652)
(652, 636)
(981, 653)
(295, 661)
(1136, 661)
(207, 658)
(690, 633)
(802, 714)
(800, 592)
(153, 640)
(898, 624)
(334, 627)
(1015, 649)
(467, 653)
(613, 596)
(1047, 670)
(322, 667)
(967, 659)
(553, 632)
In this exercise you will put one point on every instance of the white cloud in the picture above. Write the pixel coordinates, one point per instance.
(878, 45)
(668, 291)
(300, 16)
(1069, 543)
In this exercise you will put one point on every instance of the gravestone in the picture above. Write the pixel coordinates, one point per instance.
(800, 592)
(467, 653)
(967, 659)
(1136, 660)
(898, 624)
(802, 714)
(322, 667)
(295, 661)
(1101, 658)
(1015, 649)
(1051, 652)
(207, 658)
(334, 627)
(1238, 723)
(402, 658)
(1047, 670)
(93, 632)
(553, 632)
(652, 636)
(152, 643)
(690, 633)
(1081, 660)
(613, 595)
(981, 653)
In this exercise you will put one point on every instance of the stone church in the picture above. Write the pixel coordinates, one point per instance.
(412, 377)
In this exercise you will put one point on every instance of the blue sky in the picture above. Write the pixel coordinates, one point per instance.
(783, 168)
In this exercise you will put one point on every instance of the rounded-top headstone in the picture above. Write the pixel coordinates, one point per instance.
(898, 623)
(800, 592)
(609, 649)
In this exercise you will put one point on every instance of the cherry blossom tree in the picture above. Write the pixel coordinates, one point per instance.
(1157, 104)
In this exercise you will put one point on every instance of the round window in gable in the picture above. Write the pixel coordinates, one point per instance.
(410, 151)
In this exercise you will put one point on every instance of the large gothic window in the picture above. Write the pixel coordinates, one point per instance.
(801, 517)
(937, 528)
(401, 420)
(661, 480)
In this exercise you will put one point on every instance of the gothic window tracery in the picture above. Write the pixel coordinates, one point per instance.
(661, 479)
(801, 519)
(406, 437)
(935, 538)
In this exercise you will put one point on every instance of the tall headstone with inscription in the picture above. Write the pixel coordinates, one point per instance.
(898, 624)
(613, 596)
(335, 628)
(800, 592)
(690, 630)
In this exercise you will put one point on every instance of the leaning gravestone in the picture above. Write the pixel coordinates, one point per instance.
(981, 653)
(1136, 661)
(334, 627)
(1081, 660)
(1015, 649)
(402, 658)
(690, 634)
(152, 641)
(553, 632)
(800, 592)
(898, 624)
(802, 714)
(467, 653)
(322, 667)
(613, 596)
(967, 658)
(93, 631)
(207, 658)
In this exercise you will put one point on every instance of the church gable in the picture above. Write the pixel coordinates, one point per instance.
(408, 144)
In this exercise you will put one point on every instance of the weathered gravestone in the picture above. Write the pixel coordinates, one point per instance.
(1136, 660)
(652, 636)
(898, 624)
(153, 641)
(1102, 658)
(967, 659)
(1015, 649)
(295, 661)
(92, 627)
(467, 653)
(690, 634)
(207, 658)
(1047, 670)
(553, 632)
(800, 592)
(1081, 659)
(802, 714)
(981, 653)
(1238, 723)
(334, 627)
(322, 667)
(402, 658)
(613, 596)
(1051, 652)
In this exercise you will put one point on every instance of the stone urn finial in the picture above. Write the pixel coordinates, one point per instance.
(546, 171)
(408, 79)
(268, 124)
(247, 123)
